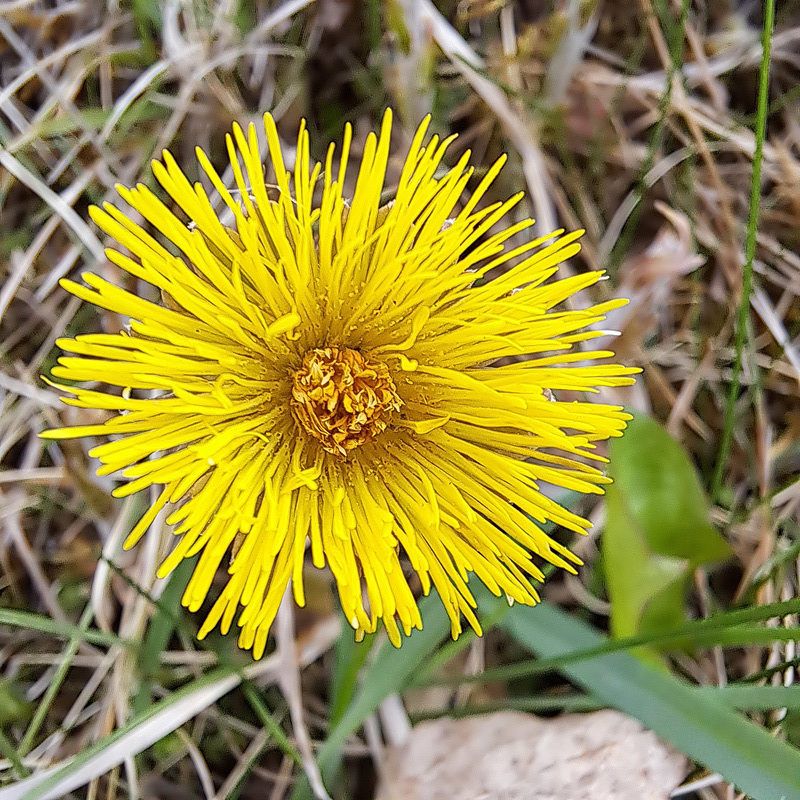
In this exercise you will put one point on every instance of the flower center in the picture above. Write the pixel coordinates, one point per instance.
(342, 398)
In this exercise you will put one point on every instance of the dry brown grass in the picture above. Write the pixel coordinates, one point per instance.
(605, 131)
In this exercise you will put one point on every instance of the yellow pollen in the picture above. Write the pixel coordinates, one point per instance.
(342, 399)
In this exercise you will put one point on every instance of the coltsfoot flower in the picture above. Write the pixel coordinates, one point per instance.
(344, 375)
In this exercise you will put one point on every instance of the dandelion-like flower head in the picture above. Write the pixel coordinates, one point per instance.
(344, 375)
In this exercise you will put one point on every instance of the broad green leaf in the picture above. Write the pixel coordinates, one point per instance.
(13, 705)
(657, 529)
(662, 494)
(638, 579)
(705, 729)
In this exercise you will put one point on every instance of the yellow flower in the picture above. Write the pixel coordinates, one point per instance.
(345, 374)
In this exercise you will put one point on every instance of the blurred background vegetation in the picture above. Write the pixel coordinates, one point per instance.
(637, 120)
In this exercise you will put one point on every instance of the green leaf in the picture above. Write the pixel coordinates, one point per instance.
(163, 623)
(704, 729)
(657, 529)
(638, 579)
(662, 494)
(13, 705)
(349, 658)
(159, 632)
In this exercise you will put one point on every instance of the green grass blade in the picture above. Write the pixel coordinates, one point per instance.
(742, 697)
(9, 751)
(141, 731)
(43, 707)
(706, 730)
(750, 251)
(754, 698)
(36, 622)
(165, 621)
(728, 628)
(136, 735)
(253, 697)
(391, 671)
(349, 657)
